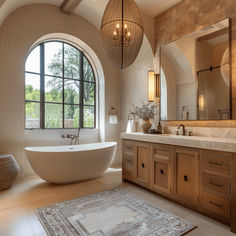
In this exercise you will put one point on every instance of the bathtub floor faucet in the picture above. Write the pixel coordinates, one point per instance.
(73, 137)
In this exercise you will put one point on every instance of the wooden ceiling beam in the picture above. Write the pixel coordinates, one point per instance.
(68, 6)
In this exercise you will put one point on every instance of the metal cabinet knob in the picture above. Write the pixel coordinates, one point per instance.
(161, 171)
(142, 165)
(185, 178)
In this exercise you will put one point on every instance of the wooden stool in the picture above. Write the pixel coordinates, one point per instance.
(9, 170)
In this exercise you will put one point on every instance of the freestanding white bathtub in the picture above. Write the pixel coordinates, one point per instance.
(68, 164)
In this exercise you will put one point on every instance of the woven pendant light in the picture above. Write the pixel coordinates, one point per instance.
(122, 31)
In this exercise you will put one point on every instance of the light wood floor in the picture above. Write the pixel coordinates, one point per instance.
(17, 205)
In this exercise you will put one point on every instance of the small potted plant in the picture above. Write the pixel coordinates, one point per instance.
(145, 112)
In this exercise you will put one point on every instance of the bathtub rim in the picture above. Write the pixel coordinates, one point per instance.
(53, 149)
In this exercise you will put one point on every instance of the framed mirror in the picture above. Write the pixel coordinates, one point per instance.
(195, 75)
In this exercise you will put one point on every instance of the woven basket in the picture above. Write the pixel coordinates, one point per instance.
(9, 170)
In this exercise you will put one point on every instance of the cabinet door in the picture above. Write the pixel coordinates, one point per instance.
(143, 152)
(187, 174)
(160, 176)
(161, 168)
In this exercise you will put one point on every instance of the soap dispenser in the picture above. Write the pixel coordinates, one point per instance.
(159, 128)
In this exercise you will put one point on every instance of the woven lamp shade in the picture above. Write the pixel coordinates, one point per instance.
(122, 31)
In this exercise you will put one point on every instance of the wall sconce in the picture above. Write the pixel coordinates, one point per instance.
(201, 102)
(153, 86)
(113, 116)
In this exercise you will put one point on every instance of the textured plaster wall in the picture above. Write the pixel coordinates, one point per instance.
(134, 86)
(18, 33)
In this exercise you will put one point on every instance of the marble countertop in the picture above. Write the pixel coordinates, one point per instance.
(219, 144)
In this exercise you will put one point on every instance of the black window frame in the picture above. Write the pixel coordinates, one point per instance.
(42, 76)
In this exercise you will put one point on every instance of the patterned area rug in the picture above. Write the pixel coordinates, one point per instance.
(110, 213)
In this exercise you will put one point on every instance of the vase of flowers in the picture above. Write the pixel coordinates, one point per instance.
(145, 112)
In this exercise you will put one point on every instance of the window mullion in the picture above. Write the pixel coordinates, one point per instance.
(95, 101)
(42, 87)
(81, 90)
(63, 85)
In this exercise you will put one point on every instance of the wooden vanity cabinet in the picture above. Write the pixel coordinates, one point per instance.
(199, 179)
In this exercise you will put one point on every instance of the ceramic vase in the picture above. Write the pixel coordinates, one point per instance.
(146, 125)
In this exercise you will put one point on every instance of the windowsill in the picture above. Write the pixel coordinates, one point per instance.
(28, 129)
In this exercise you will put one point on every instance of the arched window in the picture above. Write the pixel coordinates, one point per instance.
(60, 88)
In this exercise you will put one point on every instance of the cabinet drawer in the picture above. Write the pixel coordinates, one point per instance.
(215, 184)
(217, 205)
(162, 152)
(128, 174)
(128, 162)
(129, 158)
(128, 147)
(217, 161)
(128, 166)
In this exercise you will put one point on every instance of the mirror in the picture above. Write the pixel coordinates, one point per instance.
(196, 75)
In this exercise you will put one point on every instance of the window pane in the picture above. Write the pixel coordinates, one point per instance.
(59, 73)
(53, 58)
(88, 71)
(89, 93)
(32, 87)
(71, 91)
(32, 115)
(71, 116)
(72, 62)
(32, 63)
(53, 89)
(53, 115)
(88, 117)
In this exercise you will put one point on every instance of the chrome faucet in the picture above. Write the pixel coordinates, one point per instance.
(183, 129)
(74, 139)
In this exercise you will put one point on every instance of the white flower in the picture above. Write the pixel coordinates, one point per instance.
(145, 111)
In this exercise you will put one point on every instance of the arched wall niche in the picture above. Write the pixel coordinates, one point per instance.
(97, 67)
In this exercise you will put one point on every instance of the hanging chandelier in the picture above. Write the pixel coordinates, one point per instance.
(122, 31)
